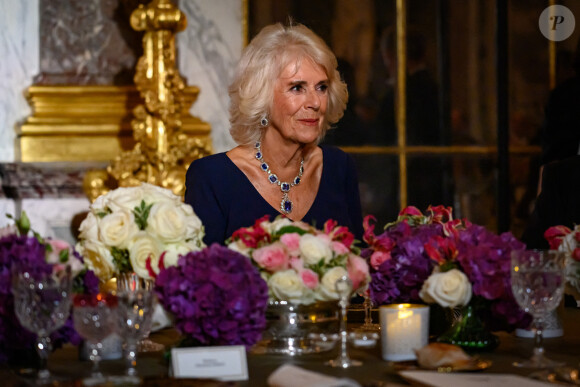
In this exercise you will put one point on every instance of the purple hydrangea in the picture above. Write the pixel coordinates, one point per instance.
(216, 296)
(485, 258)
(482, 255)
(400, 278)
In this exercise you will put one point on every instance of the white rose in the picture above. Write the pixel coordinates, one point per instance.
(240, 247)
(154, 194)
(141, 247)
(174, 250)
(98, 258)
(89, 228)
(168, 222)
(193, 226)
(277, 224)
(288, 286)
(314, 248)
(100, 203)
(118, 228)
(326, 291)
(448, 289)
(124, 198)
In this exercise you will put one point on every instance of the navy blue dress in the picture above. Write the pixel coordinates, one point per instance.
(225, 200)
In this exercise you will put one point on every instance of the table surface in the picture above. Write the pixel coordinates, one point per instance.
(375, 371)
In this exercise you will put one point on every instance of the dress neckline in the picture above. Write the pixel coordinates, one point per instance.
(316, 198)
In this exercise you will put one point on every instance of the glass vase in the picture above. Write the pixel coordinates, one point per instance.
(469, 332)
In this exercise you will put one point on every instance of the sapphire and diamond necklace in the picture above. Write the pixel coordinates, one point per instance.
(286, 203)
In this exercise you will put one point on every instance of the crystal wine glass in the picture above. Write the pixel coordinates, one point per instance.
(344, 289)
(131, 282)
(42, 304)
(538, 279)
(94, 320)
(134, 318)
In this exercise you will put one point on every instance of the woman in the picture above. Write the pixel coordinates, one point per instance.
(285, 95)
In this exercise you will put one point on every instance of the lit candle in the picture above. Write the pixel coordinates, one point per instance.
(404, 327)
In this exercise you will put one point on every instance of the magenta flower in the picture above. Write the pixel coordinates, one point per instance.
(216, 296)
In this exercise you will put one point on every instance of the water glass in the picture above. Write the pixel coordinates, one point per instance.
(537, 279)
(94, 319)
(130, 282)
(134, 319)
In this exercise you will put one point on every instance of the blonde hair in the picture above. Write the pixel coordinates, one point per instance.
(262, 61)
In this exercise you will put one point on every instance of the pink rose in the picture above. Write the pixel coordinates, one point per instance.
(378, 257)
(309, 278)
(339, 248)
(358, 271)
(297, 264)
(272, 258)
(292, 242)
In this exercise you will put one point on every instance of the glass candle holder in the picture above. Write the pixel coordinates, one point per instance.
(404, 328)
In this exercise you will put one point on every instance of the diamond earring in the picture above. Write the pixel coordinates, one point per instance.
(264, 122)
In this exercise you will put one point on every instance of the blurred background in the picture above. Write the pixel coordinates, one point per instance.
(479, 75)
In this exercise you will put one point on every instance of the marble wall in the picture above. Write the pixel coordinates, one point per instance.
(37, 45)
(20, 63)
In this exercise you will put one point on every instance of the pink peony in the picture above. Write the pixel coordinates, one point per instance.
(272, 257)
(292, 242)
(358, 270)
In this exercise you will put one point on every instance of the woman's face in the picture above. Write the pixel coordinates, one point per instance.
(300, 101)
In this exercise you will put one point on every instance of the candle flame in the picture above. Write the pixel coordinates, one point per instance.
(403, 314)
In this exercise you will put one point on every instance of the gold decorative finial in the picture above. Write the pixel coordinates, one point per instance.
(162, 152)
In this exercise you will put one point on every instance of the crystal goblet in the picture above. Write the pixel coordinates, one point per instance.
(131, 282)
(42, 305)
(344, 289)
(134, 318)
(94, 320)
(537, 280)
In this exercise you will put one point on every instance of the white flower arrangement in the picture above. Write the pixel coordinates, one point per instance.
(131, 229)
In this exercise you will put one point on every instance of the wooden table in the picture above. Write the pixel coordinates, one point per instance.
(374, 371)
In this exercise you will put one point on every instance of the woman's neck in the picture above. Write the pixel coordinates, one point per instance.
(283, 154)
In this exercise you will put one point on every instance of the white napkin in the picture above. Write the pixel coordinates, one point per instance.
(161, 319)
(288, 375)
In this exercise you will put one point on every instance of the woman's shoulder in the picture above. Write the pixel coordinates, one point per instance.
(336, 156)
(209, 163)
(332, 151)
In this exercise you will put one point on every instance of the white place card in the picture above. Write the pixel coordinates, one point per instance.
(222, 363)
(432, 378)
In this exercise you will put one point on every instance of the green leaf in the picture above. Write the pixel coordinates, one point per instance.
(290, 229)
(105, 212)
(63, 256)
(121, 259)
(448, 266)
(22, 223)
(141, 214)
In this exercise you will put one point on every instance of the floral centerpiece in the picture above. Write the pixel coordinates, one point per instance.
(299, 262)
(129, 229)
(451, 262)
(563, 238)
(20, 246)
(216, 296)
